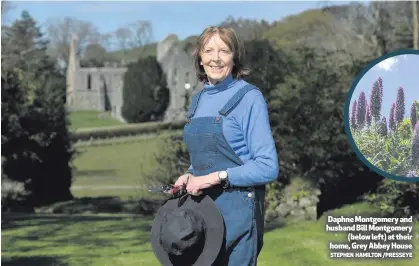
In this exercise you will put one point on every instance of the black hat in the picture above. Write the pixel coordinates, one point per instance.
(187, 231)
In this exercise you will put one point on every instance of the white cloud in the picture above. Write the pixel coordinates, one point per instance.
(387, 65)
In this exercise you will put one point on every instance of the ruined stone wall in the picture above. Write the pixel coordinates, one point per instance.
(104, 90)
(102, 93)
(180, 74)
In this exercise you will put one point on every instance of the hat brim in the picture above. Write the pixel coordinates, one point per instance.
(214, 228)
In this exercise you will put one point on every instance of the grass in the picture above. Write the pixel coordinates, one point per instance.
(89, 119)
(122, 164)
(123, 240)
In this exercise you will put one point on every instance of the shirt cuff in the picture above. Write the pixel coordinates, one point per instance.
(232, 177)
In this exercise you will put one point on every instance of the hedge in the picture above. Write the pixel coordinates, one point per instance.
(124, 130)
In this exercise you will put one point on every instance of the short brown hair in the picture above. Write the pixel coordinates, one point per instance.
(229, 37)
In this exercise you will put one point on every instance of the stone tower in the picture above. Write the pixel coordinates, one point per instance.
(73, 65)
(180, 75)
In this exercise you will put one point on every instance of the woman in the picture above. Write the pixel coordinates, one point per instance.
(230, 144)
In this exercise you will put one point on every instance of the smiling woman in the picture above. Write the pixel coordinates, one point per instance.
(219, 55)
(230, 145)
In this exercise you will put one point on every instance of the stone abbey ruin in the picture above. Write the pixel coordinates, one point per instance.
(100, 89)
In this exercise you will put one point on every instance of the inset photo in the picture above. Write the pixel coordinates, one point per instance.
(382, 115)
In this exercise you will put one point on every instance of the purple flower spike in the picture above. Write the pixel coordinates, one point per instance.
(383, 127)
(400, 107)
(353, 115)
(360, 112)
(391, 122)
(368, 115)
(415, 146)
(413, 118)
(380, 86)
(376, 99)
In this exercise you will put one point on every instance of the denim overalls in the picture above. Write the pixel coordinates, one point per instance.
(241, 207)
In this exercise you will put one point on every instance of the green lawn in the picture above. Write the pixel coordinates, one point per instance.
(90, 119)
(123, 240)
(107, 239)
(99, 168)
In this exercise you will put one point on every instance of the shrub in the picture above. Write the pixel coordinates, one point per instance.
(392, 152)
(172, 161)
(145, 93)
(36, 146)
(124, 130)
(396, 199)
(306, 113)
(267, 66)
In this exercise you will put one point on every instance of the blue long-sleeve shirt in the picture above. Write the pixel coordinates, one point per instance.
(246, 129)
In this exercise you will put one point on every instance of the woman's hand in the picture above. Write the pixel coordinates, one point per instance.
(183, 179)
(197, 183)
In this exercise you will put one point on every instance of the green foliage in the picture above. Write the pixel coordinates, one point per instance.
(22, 44)
(391, 153)
(306, 115)
(172, 161)
(247, 29)
(145, 93)
(274, 194)
(266, 64)
(299, 188)
(35, 141)
(294, 29)
(123, 130)
(96, 56)
(404, 129)
(397, 199)
(311, 101)
(36, 148)
(132, 55)
(91, 119)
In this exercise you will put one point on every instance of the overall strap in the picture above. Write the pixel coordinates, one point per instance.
(194, 104)
(234, 101)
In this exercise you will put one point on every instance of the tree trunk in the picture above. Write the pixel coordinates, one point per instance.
(415, 25)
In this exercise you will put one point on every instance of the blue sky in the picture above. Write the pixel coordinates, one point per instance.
(182, 18)
(402, 70)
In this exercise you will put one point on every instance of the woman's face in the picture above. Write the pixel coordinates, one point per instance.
(217, 59)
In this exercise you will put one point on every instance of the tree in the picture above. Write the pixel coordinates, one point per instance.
(145, 93)
(266, 65)
(6, 6)
(137, 34)
(35, 141)
(376, 28)
(23, 45)
(96, 56)
(141, 33)
(123, 35)
(246, 29)
(306, 113)
(59, 33)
